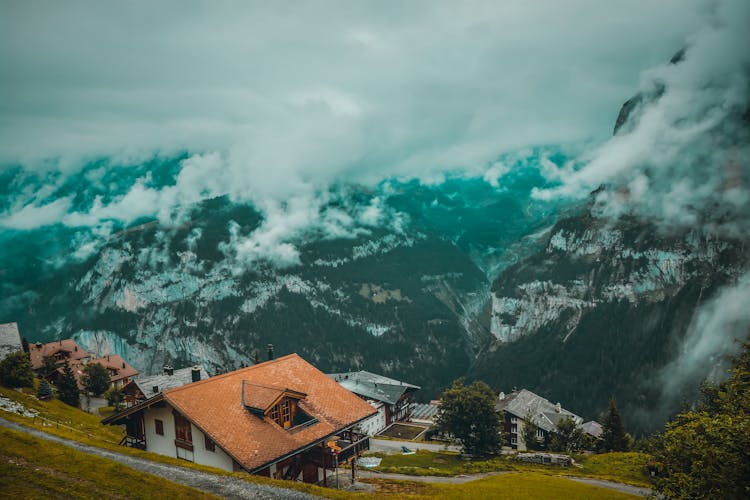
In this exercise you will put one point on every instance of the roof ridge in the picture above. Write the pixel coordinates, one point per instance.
(227, 374)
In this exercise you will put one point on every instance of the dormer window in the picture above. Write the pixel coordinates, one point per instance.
(276, 404)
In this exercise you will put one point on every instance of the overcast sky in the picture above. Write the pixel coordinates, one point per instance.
(323, 88)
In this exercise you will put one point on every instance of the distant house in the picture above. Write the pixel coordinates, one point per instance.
(10, 340)
(140, 389)
(519, 405)
(392, 398)
(281, 418)
(120, 371)
(61, 351)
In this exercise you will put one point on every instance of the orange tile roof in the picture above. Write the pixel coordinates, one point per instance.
(215, 405)
(69, 346)
(115, 362)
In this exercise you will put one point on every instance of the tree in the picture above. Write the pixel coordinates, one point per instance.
(45, 391)
(614, 437)
(705, 451)
(567, 437)
(95, 378)
(67, 388)
(468, 412)
(529, 434)
(25, 344)
(49, 364)
(114, 397)
(15, 370)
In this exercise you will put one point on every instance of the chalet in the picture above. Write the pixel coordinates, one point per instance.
(521, 405)
(61, 351)
(120, 371)
(10, 340)
(282, 418)
(391, 398)
(140, 389)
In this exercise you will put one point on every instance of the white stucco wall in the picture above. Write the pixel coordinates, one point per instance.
(164, 445)
(374, 424)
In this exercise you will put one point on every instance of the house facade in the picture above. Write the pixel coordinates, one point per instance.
(140, 389)
(282, 418)
(518, 406)
(392, 398)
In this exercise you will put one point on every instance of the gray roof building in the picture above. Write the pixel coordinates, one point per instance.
(373, 386)
(544, 414)
(152, 385)
(10, 339)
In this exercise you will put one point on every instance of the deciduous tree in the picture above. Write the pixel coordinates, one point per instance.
(468, 412)
(15, 370)
(706, 452)
(95, 378)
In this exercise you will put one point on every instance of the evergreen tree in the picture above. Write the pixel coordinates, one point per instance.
(15, 370)
(705, 453)
(67, 388)
(95, 378)
(469, 414)
(614, 437)
(49, 365)
(25, 344)
(45, 390)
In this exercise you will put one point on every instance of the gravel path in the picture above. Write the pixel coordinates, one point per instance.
(464, 478)
(223, 486)
(624, 488)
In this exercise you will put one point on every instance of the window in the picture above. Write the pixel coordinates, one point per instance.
(159, 427)
(275, 414)
(514, 428)
(513, 440)
(208, 443)
(285, 417)
(513, 420)
(183, 432)
(539, 433)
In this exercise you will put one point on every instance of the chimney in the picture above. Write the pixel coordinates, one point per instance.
(168, 370)
(501, 396)
(270, 352)
(38, 345)
(75, 348)
(123, 364)
(558, 408)
(155, 389)
(195, 373)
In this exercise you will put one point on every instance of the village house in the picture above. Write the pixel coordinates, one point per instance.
(67, 351)
(120, 371)
(391, 398)
(10, 340)
(140, 389)
(61, 351)
(520, 405)
(282, 418)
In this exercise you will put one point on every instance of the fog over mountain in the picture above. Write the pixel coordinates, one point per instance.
(185, 181)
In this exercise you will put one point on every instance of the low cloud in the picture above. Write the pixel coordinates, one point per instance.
(682, 159)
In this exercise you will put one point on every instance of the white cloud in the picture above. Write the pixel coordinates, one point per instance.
(33, 216)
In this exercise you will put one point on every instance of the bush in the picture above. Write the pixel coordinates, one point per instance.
(15, 370)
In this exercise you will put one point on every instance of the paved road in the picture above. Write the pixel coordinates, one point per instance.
(390, 446)
(224, 486)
